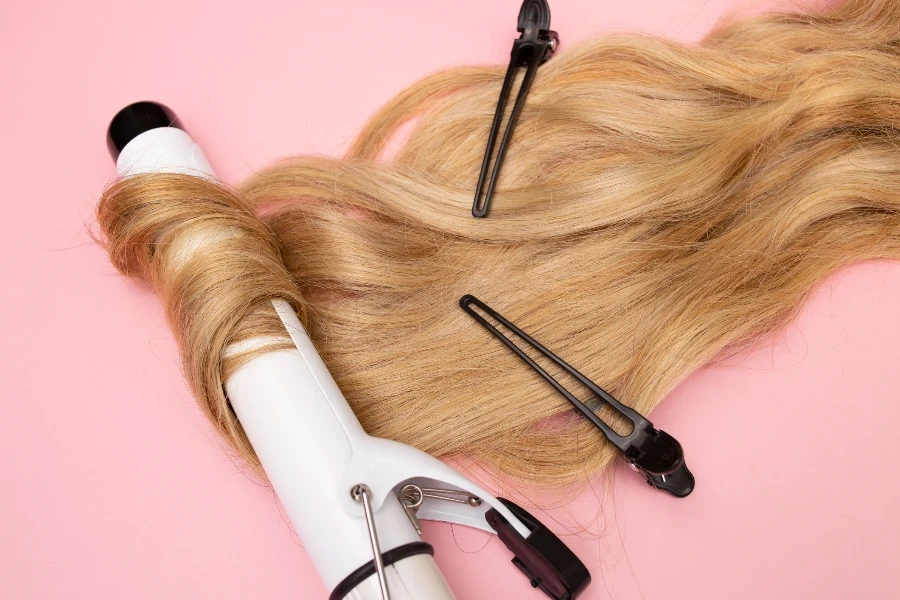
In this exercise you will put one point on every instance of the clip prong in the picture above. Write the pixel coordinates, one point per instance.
(654, 453)
(534, 47)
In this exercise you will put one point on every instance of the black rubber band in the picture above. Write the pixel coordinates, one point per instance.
(367, 570)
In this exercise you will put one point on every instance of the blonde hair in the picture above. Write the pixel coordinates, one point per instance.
(660, 204)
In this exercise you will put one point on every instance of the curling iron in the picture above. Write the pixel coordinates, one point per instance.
(354, 500)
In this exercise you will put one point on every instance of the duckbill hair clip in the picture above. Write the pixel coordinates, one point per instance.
(533, 48)
(652, 452)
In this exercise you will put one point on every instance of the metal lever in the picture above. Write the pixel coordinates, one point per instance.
(362, 494)
(412, 496)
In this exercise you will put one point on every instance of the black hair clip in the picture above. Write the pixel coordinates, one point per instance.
(654, 453)
(534, 47)
(542, 557)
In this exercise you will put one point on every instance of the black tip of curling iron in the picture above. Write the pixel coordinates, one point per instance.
(652, 452)
(135, 119)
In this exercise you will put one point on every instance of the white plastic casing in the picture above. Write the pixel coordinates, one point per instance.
(313, 448)
(163, 150)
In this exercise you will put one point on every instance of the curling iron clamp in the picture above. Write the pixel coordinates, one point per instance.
(354, 500)
(653, 453)
(533, 48)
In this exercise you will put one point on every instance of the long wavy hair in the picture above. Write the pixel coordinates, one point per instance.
(660, 204)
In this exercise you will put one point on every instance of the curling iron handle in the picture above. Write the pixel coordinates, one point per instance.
(301, 427)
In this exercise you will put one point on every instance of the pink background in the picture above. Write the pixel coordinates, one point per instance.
(113, 486)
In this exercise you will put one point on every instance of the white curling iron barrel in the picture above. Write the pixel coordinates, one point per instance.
(354, 500)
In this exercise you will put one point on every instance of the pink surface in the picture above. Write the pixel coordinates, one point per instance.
(114, 486)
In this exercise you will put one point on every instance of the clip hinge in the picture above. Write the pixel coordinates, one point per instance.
(411, 497)
(660, 459)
